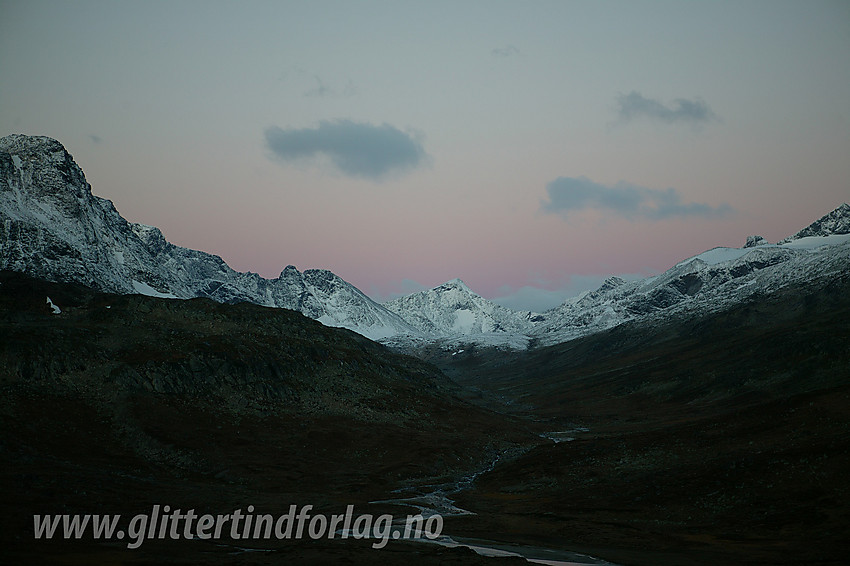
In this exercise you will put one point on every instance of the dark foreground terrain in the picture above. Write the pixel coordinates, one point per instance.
(119, 403)
(722, 440)
(709, 441)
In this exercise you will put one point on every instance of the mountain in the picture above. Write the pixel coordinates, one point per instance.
(733, 425)
(454, 310)
(712, 281)
(715, 280)
(836, 222)
(131, 400)
(53, 227)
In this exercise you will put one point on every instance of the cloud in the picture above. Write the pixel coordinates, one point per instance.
(570, 194)
(634, 105)
(324, 90)
(552, 294)
(354, 149)
(394, 290)
(534, 299)
(95, 139)
(507, 51)
(312, 85)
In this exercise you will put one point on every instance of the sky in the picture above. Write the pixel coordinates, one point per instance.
(530, 148)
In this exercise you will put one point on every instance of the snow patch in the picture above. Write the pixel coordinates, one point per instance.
(54, 308)
(145, 289)
(815, 242)
(718, 255)
(464, 321)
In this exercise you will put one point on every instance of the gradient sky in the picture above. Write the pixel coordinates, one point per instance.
(529, 148)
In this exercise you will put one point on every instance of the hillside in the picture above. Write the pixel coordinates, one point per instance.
(714, 439)
(118, 402)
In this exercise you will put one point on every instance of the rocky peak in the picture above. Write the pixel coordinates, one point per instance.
(151, 236)
(41, 184)
(32, 147)
(611, 283)
(455, 285)
(45, 164)
(836, 222)
(53, 227)
(753, 241)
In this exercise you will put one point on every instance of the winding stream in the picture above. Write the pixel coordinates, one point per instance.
(436, 499)
(430, 500)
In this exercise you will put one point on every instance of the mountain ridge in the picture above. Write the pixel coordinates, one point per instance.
(53, 227)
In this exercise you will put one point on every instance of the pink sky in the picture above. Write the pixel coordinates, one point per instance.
(416, 142)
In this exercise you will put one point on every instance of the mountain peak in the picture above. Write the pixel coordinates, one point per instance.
(836, 222)
(22, 143)
(612, 283)
(58, 176)
(455, 283)
(52, 227)
(289, 271)
(755, 241)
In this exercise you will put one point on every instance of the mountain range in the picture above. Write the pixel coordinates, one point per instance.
(52, 227)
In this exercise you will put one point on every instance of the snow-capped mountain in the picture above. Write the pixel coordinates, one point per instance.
(453, 315)
(709, 282)
(54, 228)
(836, 222)
(453, 308)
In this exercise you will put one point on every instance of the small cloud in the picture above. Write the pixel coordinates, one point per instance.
(322, 90)
(634, 105)
(507, 51)
(570, 194)
(311, 85)
(95, 139)
(355, 149)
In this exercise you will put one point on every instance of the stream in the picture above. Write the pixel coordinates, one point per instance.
(436, 499)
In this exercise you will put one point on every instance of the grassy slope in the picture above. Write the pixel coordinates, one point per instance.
(215, 407)
(722, 440)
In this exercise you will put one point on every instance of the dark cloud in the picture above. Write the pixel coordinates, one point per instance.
(569, 194)
(507, 51)
(355, 149)
(635, 105)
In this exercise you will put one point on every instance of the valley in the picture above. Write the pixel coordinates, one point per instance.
(721, 439)
(698, 416)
